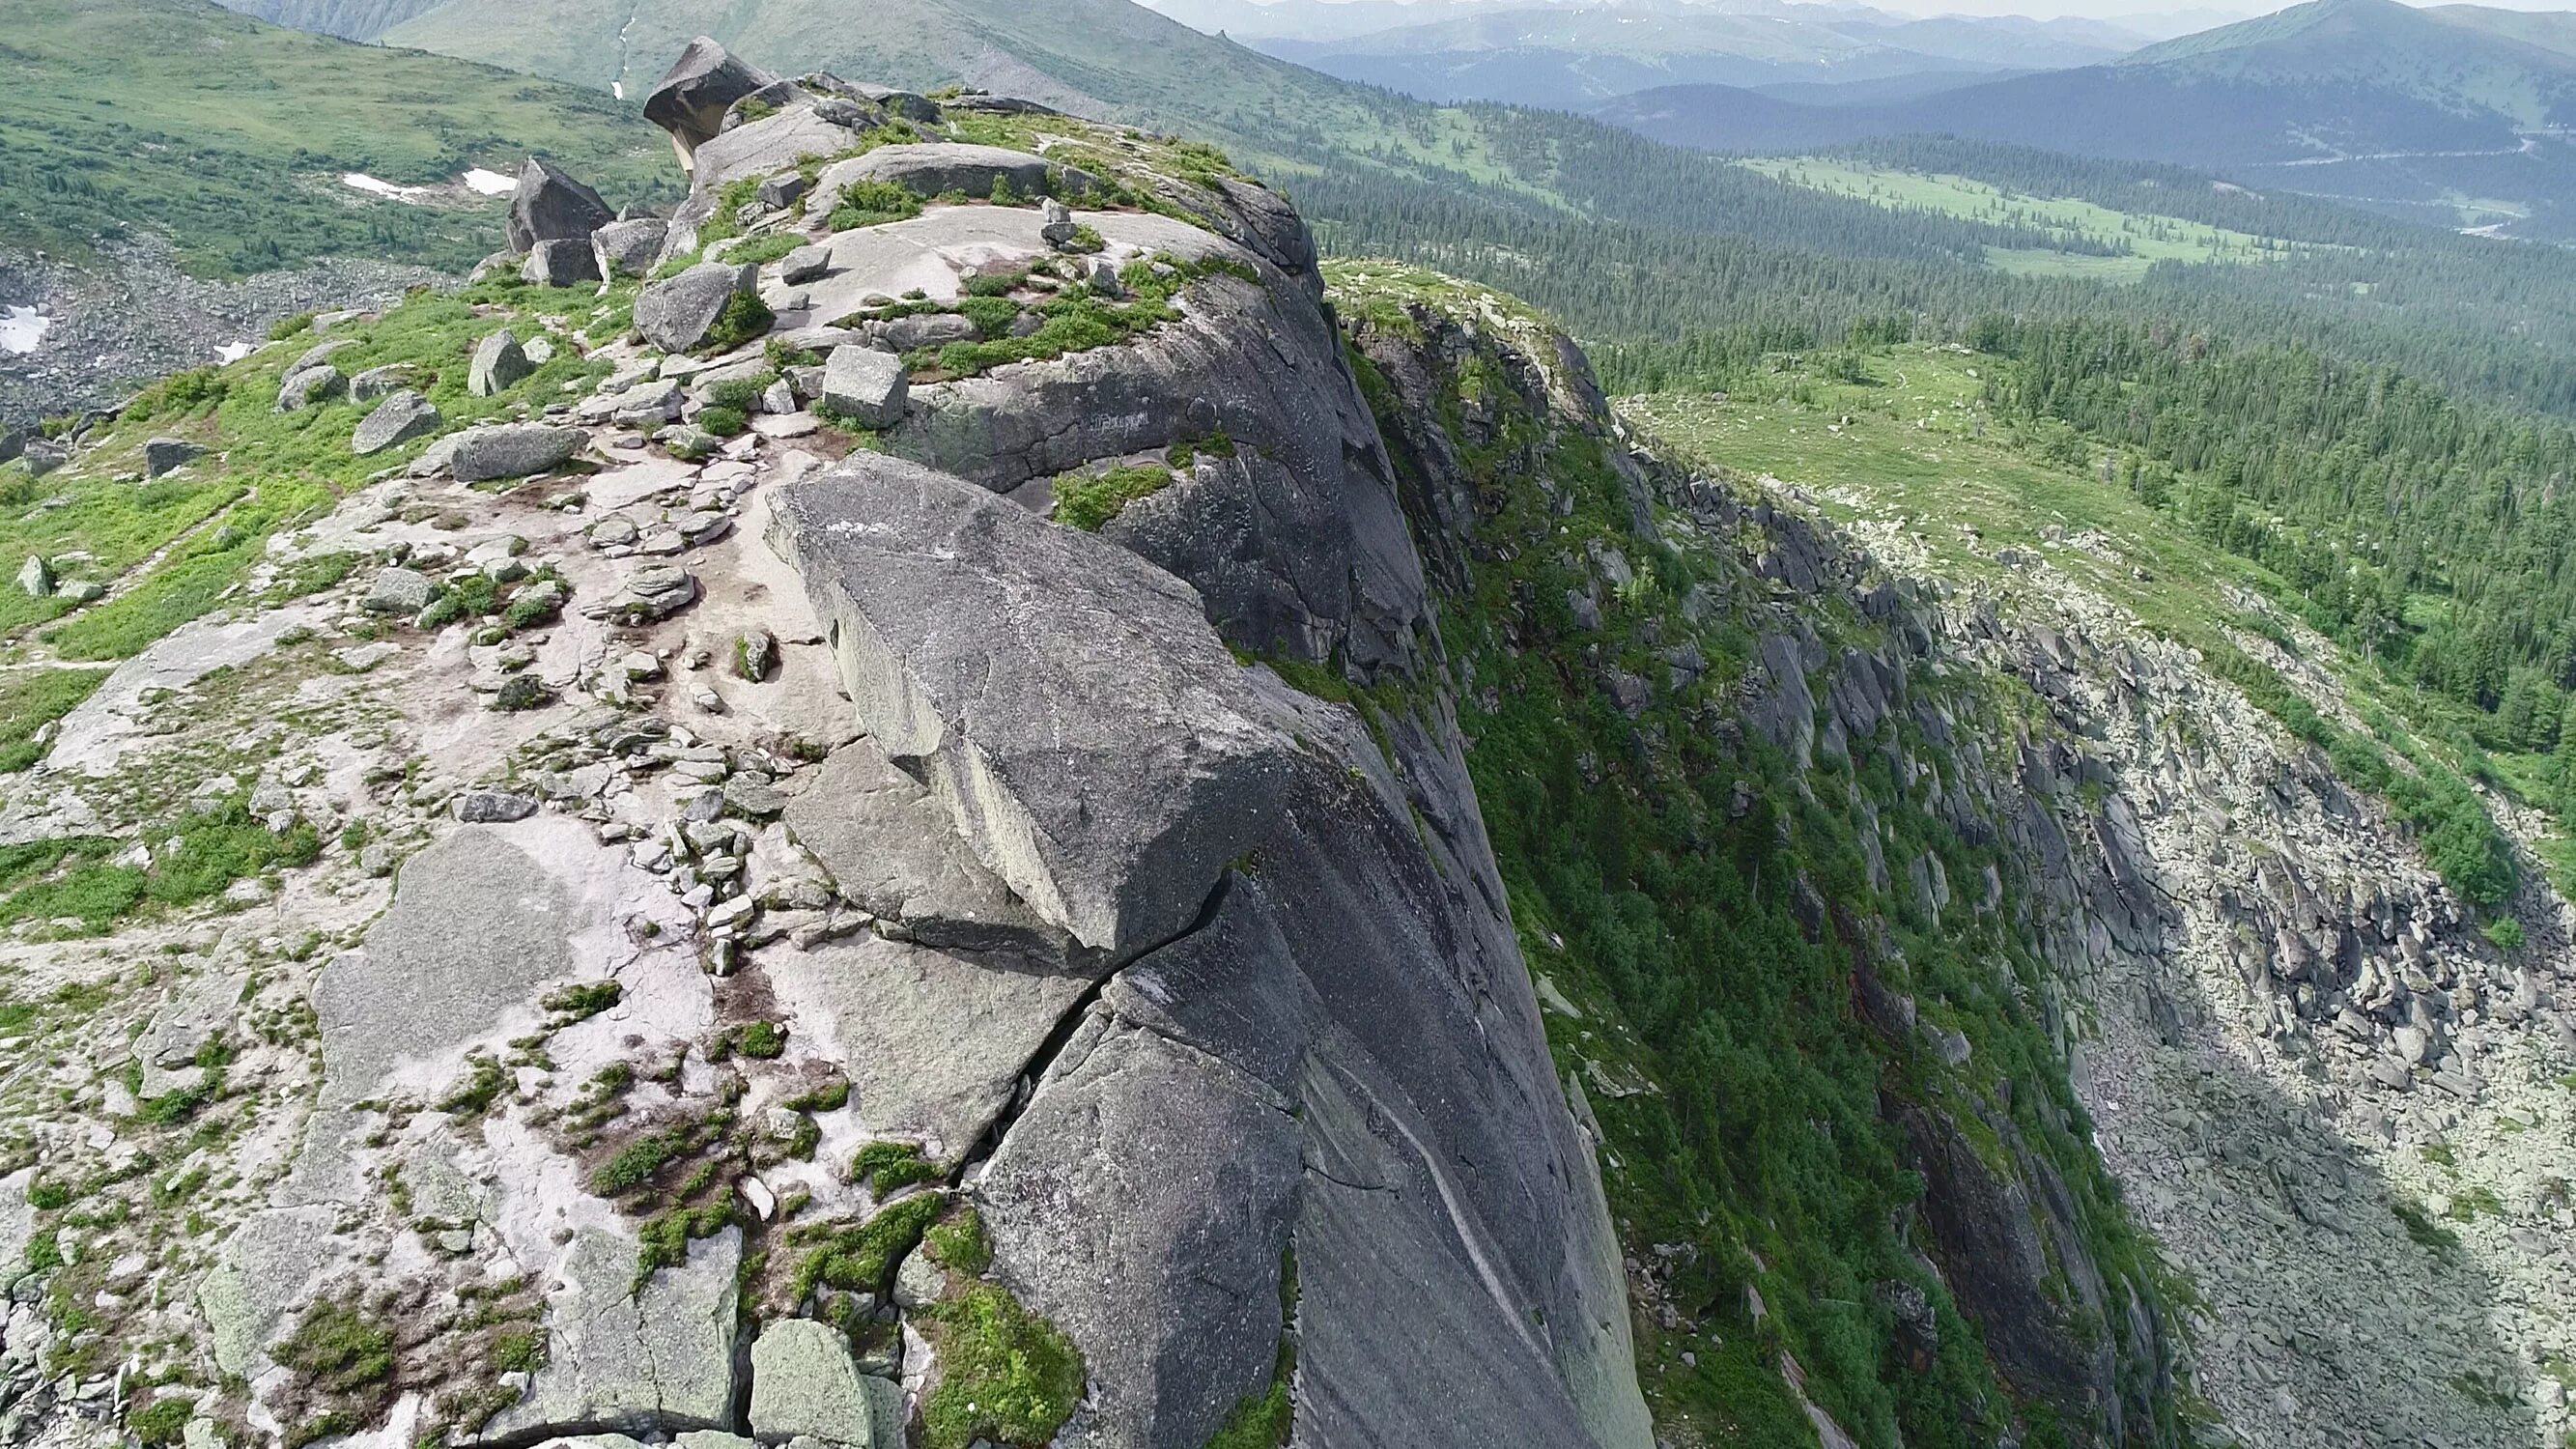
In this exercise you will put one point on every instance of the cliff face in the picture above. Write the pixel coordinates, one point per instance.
(2206, 1088)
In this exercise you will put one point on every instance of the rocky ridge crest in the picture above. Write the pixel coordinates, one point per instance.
(798, 944)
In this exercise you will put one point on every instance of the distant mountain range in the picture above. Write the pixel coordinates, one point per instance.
(1577, 57)
(2451, 115)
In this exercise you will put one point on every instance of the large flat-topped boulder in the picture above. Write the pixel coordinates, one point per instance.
(1095, 743)
(931, 252)
(769, 144)
(934, 168)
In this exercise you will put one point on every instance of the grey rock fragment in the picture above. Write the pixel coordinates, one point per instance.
(628, 248)
(376, 382)
(657, 1355)
(491, 807)
(400, 418)
(866, 386)
(511, 450)
(1058, 229)
(804, 1384)
(560, 262)
(36, 577)
(311, 385)
(677, 314)
(43, 456)
(160, 455)
(498, 362)
(779, 192)
(399, 591)
(805, 264)
(923, 329)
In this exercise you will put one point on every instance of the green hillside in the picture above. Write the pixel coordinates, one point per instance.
(1100, 56)
(230, 137)
(2380, 44)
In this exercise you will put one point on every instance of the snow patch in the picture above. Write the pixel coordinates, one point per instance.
(234, 351)
(617, 89)
(489, 183)
(21, 328)
(361, 181)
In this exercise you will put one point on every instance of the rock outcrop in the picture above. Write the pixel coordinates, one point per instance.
(990, 1003)
(898, 858)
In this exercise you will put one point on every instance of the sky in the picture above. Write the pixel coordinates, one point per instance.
(2201, 14)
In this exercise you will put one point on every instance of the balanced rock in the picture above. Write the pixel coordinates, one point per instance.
(864, 385)
(628, 247)
(551, 206)
(676, 315)
(511, 450)
(160, 455)
(1058, 227)
(401, 417)
(690, 99)
(498, 362)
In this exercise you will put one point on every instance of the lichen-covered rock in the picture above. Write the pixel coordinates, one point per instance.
(399, 591)
(934, 168)
(805, 1385)
(376, 382)
(498, 361)
(628, 248)
(677, 313)
(865, 385)
(510, 450)
(659, 1354)
(304, 388)
(400, 418)
(560, 262)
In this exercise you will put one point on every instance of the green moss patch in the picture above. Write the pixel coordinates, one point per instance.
(1006, 1374)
